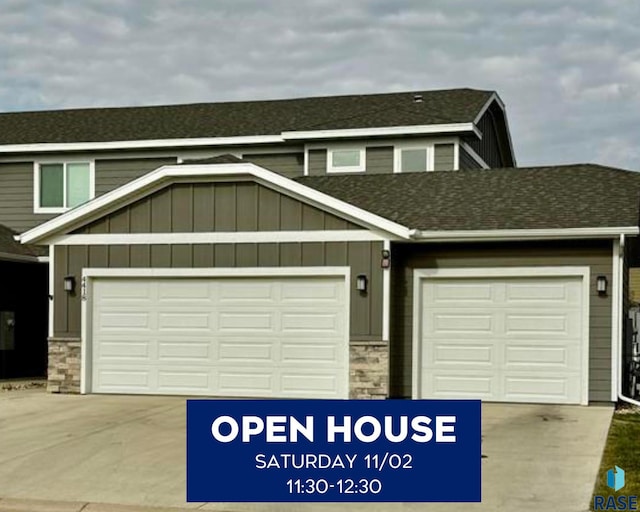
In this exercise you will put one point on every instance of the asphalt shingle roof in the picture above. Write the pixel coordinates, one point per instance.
(9, 246)
(567, 196)
(231, 119)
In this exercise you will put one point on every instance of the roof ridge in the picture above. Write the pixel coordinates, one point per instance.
(254, 101)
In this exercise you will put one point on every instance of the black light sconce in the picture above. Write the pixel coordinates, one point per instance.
(69, 284)
(361, 283)
(386, 259)
(601, 285)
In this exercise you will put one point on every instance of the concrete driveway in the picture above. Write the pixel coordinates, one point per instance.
(131, 450)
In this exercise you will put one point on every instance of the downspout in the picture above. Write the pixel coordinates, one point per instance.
(620, 302)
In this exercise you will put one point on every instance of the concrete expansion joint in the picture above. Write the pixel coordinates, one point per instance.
(31, 505)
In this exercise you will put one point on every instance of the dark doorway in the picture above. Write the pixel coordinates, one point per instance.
(24, 311)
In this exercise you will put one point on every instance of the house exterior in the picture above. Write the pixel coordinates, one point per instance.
(319, 248)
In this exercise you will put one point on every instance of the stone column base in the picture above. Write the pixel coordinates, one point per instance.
(63, 375)
(369, 369)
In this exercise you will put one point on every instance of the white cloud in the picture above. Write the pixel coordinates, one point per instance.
(569, 72)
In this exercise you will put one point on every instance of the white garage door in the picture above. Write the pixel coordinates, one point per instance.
(244, 337)
(514, 339)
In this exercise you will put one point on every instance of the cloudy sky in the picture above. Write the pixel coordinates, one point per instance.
(569, 71)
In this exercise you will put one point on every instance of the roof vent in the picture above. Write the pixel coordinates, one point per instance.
(417, 98)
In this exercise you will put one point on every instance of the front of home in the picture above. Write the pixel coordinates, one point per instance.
(341, 260)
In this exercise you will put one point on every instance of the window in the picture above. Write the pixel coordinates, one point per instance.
(346, 160)
(60, 186)
(413, 158)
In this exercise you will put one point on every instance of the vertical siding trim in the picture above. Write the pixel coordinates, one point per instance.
(456, 155)
(386, 295)
(52, 278)
(616, 316)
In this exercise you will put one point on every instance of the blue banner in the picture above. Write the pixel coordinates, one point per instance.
(333, 450)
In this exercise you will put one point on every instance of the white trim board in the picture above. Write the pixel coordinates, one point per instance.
(89, 274)
(8, 256)
(236, 237)
(475, 156)
(425, 129)
(521, 234)
(501, 272)
(239, 140)
(136, 188)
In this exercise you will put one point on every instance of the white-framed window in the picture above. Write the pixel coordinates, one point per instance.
(346, 159)
(413, 158)
(60, 185)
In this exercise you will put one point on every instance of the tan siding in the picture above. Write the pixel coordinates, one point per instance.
(596, 255)
(317, 162)
(634, 284)
(202, 207)
(362, 257)
(287, 164)
(443, 157)
(379, 160)
(16, 197)
(111, 174)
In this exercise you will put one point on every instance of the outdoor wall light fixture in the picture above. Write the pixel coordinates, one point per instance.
(69, 284)
(601, 285)
(386, 259)
(361, 283)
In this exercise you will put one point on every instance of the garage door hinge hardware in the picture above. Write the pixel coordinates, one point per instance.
(83, 293)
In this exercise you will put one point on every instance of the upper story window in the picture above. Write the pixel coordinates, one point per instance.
(413, 158)
(60, 186)
(346, 160)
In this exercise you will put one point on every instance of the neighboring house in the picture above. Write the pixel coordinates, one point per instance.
(297, 248)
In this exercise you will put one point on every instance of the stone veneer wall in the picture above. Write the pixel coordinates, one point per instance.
(369, 369)
(63, 375)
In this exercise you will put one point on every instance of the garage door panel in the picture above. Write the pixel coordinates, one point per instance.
(461, 352)
(452, 384)
(467, 293)
(184, 291)
(309, 352)
(244, 322)
(123, 349)
(124, 320)
(541, 387)
(234, 337)
(296, 384)
(183, 350)
(242, 350)
(313, 292)
(185, 321)
(187, 381)
(502, 339)
(457, 322)
(123, 379)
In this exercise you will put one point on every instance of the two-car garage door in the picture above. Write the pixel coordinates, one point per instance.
(513, 339)
(235, 336)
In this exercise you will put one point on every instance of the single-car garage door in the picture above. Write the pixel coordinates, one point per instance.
(512, 339)
(244, 337)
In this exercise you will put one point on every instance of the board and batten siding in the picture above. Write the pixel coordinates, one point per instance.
(361, 257)
(596, 255)
(216, 206)
(490, 147)
(466, 161)
(290, 165)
